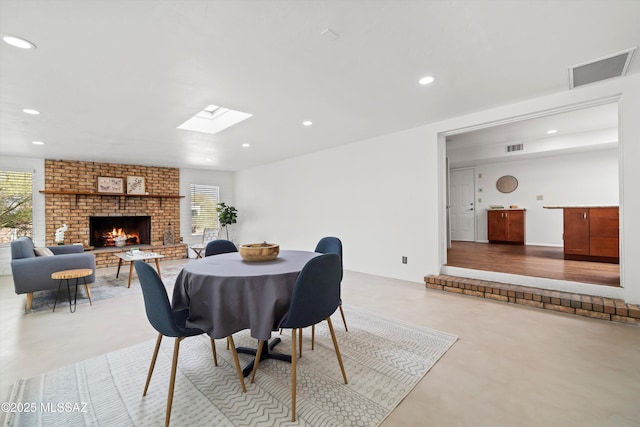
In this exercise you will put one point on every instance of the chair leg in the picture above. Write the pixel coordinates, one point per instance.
(232, 345)
(153, 363)
(172, 380)
(293, 375)
(215, 354)
(313, 335)
(343, 318)
(335, 345)
(300, 340)
(256, 360)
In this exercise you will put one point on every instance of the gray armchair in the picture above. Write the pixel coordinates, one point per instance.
(32, 273)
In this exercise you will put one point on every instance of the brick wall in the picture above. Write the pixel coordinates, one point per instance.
(77, 176)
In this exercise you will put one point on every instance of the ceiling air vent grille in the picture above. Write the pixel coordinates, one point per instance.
(515, 147)
(611, 66)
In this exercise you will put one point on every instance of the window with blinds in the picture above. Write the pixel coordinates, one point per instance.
(204, 201)
(16, 211)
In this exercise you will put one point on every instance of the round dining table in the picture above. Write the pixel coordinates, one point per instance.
(225, 294)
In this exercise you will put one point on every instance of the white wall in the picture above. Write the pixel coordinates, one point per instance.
(225, 180)
(589, 178)
(384, 197)
(376, 198)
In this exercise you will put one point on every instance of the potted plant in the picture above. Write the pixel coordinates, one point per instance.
(227, 215)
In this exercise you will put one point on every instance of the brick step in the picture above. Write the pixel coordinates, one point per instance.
(611, 309)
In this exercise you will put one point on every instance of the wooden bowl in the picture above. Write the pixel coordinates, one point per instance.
(252, 252)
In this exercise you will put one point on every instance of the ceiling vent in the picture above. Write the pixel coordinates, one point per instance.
(515, 147)
(615, 65)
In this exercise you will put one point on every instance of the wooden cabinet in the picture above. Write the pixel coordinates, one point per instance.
(591, 234)
(506, 226)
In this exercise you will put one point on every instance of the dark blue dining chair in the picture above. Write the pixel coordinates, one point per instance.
(331, 245)
(315, 298)
(220, 246)
(170, 323)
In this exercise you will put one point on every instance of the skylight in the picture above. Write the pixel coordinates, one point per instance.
(214, 119)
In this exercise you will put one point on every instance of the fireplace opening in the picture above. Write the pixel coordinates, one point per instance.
(119, 231)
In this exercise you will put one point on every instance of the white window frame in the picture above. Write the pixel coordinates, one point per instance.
(203, 190)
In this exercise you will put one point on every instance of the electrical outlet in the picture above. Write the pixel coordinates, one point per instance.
(404, 259)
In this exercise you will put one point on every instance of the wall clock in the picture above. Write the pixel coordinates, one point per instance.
(506, 184)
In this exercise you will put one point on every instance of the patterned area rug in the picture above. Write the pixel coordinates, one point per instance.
(384, 360)
(105, 287)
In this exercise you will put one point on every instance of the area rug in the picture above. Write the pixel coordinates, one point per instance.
(384, 360)
(105, 287)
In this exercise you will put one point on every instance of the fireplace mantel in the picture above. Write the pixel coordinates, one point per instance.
(89, 193)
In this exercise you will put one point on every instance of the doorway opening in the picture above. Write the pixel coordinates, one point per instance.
(566, 157)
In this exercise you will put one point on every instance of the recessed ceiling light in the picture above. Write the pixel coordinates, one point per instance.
(208, 159)
(18, 42)
(38, 143)
(30, 111)
(307, 123)
(426, 80)
(552, 131)
(245, 145)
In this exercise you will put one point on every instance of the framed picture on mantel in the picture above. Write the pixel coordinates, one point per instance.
(135, 185)
(110, 185)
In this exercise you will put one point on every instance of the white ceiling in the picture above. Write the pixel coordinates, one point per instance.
(113, 79)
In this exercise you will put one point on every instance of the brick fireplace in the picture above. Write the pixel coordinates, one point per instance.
(72, 198)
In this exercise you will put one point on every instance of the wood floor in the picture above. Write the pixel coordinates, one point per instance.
(535, 261)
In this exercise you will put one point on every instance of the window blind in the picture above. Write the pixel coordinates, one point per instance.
(204, 201)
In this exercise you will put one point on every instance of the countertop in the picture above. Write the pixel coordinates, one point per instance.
(579, 206)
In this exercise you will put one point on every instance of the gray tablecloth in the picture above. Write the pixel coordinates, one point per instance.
(225, 294)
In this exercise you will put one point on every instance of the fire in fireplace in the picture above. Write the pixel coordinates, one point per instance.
(119, 231)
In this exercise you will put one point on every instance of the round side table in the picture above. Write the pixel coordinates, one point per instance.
(72, 274)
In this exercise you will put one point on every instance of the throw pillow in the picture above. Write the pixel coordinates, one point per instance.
(43, 252)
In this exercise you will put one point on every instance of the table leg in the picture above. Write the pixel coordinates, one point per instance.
(158, 268)
(88, 289)
(57, 295)
(119, 265)
(266, 354)
(72, 307)
(130, 273)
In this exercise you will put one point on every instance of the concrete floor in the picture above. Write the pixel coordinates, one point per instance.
(512, 365)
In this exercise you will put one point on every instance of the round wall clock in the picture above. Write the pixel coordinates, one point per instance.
(506, 184)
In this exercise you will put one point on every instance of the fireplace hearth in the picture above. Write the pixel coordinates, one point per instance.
(119, 231)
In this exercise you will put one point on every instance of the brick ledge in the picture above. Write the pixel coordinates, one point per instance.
(603, 308)
(104, 256)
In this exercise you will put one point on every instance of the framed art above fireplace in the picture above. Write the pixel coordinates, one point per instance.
(135, 185)
(110, 185)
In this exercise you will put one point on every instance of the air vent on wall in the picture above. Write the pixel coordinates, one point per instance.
(515, 147)
(615, 65)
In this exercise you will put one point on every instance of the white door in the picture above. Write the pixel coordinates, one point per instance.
(461, 205)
